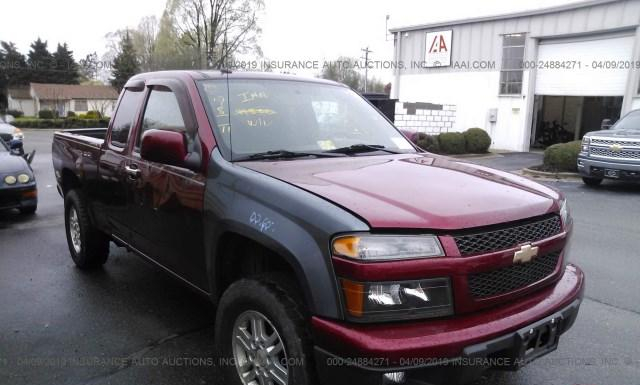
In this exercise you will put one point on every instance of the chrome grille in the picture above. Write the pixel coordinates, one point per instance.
(611, 142)
(511, 278)
(623, 154)
(505, 238)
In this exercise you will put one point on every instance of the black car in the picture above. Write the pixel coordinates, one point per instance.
(17, 183)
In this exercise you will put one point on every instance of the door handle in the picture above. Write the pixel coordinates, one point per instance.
(133, 171)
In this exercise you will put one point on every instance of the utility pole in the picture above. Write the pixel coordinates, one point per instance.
(386, 28)
(366, 65)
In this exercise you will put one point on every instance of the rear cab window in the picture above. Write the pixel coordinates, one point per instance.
(125, 118)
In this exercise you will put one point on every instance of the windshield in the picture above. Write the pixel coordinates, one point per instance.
(630, 122)
(255, 116)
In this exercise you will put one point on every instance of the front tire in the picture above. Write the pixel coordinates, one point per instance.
(591, 181)
(262, 336)
(89, 248)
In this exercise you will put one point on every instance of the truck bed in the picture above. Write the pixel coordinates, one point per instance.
(77, 152)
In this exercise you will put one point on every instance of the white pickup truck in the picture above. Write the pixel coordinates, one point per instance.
(612, 153)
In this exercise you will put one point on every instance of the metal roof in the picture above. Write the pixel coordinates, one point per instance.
(19, 92)
(49, 91)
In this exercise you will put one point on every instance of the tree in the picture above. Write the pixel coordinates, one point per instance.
(218, 29)
(102, 106)
(342, 70)
(40, 62)
(125, 64)
(144, 42)
(89, 67)
(345, 70)
(3, 82)
(12, 70)
(66, 68)
(171, 51)
(375, 85)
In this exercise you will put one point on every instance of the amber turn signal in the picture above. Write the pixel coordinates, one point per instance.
(346, 246)
(354, 297)
(30, 194)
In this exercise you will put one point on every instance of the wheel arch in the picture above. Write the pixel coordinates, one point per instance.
(226, 265)
(69, 181)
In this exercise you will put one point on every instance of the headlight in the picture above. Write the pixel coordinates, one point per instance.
(17, 134)
(387, 247)
(10, 179)
(385, 301)
(564, 212)
(585, 143)
(23, 178)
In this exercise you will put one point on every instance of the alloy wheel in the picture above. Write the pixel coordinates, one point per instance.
(74, 230)
(259, 353)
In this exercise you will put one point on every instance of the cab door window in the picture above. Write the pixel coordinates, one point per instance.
(162, 112)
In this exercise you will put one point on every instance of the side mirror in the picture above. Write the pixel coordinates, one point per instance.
(606, 124)
(167, 147)
(29, 157)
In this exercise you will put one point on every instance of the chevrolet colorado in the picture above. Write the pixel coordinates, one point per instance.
(333, 248)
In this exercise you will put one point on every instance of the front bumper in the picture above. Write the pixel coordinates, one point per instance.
(451, 350)
(18, 197)
(595, 168)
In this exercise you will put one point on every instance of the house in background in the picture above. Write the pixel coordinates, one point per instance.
(62, 98)
(20, 99)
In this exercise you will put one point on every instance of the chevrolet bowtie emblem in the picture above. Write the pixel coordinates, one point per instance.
(526, 254)
(615, 148)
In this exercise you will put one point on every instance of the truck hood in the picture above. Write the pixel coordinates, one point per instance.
(616, 134)
(415, 190)
(12, 163)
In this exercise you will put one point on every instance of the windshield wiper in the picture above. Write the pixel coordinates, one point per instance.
(360, 148)
(283, 154)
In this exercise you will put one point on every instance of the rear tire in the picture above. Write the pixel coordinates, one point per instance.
(89, 248)
(249, 302)
(591, 181)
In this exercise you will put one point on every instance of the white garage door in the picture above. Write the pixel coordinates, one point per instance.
(590, 67)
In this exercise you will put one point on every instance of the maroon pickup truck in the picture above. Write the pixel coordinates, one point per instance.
(333, 248)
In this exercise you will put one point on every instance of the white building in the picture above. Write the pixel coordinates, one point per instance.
(62, 98)
(521, 76)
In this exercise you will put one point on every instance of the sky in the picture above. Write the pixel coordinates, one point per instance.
(291, 29)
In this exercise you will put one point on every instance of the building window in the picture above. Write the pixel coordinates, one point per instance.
(512, 58)
(81, 105)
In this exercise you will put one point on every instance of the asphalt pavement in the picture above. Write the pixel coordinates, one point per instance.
(132, 324)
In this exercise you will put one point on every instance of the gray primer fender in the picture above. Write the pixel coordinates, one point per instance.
(290, 221)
